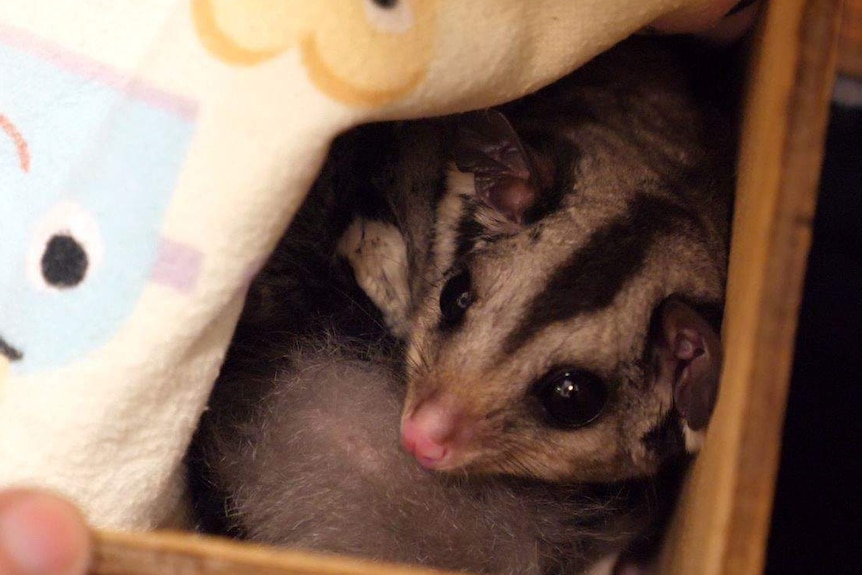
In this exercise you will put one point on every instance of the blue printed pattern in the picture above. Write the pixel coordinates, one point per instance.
(88, 165)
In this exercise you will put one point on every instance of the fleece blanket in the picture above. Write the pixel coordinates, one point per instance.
(151, 154)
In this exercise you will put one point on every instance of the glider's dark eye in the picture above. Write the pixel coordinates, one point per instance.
(386, 3)
(456, 298)
(64, 262)
(571, 397)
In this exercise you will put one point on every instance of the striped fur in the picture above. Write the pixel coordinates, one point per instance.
(637, 211)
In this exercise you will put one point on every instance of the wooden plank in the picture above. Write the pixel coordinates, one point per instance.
(722, 524)
(850, 46)
(181, 554)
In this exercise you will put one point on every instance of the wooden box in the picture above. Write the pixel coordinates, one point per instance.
(722, 522)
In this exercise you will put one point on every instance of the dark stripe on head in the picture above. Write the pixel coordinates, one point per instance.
(440, 187)
(469, 231)
(596, 272)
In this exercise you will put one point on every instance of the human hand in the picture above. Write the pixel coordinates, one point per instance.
(41, 534)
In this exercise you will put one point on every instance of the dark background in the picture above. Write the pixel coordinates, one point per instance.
(817, 520)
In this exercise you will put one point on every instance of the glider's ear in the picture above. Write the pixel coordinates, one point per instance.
(688, 357)
(488, 147)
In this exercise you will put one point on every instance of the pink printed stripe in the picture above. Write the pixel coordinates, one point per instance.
(91, 69)
(178, 265)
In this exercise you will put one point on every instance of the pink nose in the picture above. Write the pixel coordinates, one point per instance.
(428, 434)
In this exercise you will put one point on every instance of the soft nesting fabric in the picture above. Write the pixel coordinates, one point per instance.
(151, 153)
